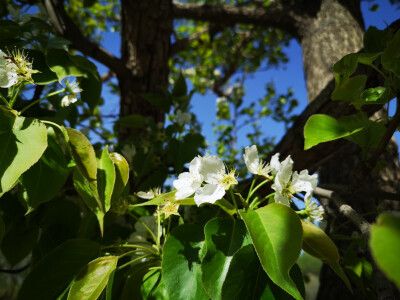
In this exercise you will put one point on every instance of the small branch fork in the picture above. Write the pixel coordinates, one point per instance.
(359, 221)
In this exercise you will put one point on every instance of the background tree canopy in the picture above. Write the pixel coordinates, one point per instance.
(79, 199)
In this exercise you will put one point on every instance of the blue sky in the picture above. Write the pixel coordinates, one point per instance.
(291, 75)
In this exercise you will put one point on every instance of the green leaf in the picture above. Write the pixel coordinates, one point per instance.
(370, 136)
(385, 245)
(391, 55)
(182, 255)
(92, 280)
(105, 178)
(375, 40)
(320, 245)
(23, 141)
(161, 102)
(91, 90)
(223, 237)
(277, 236)
(377, 95)
(153, 287)
(44, 180)
(350, 89)
(82, 186)
(19, 241)
(121, 167)
(246, 279)
(132, 121)
(56, 270)
(133, 287)
(60, 62)
(180, 87)
(348, 64)
(45, 74)
(110, 285)
(168, 196)
(323, 128)
(83, 153)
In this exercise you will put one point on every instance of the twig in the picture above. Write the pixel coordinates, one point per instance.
(339, 188)
(344, 208)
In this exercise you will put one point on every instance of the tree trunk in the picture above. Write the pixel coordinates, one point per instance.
(337, 30)
(145, 36)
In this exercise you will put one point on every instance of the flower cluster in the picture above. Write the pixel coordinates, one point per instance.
(207, 179)
(286, 183)
(14, 69)
(72, 90)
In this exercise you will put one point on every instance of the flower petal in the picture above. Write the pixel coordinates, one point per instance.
(275, 164)
(211, 168)
(279, 198)
(186, 185)
(251, 159)
(195, 164)
(304, 182)
(209, 194)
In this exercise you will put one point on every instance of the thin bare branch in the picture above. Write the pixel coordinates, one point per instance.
(65, 27)
(275, 15)
(107, 76)
(181, 44)
(358, 220)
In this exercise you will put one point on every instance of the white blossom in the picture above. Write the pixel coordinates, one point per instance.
(257, 166)
(73, 90)
(183, 118)
(212, 171)
(14, 69)
(217, 180)
(188, 182)
(315, 212)
(150, 194)
(288, 183)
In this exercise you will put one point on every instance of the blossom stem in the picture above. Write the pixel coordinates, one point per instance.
(133, 261)
(131, 246)
(256, 188)
(257, 202)
(14, 95)
(147, 228)
(38, 100)
(4, 100)
(303, 214)
(234, 201)
(251, 188)
(158, 229)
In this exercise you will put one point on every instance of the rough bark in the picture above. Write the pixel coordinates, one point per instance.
(145, 36)
(335, 31)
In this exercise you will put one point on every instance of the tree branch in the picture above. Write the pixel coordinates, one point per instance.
(66, 28)
(181, 44)
(344, 208)
(278, 16)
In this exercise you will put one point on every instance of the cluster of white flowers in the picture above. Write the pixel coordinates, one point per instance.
(315, 212)
(207, 179)
(286, 183)
(72, 90)
(183, 118)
